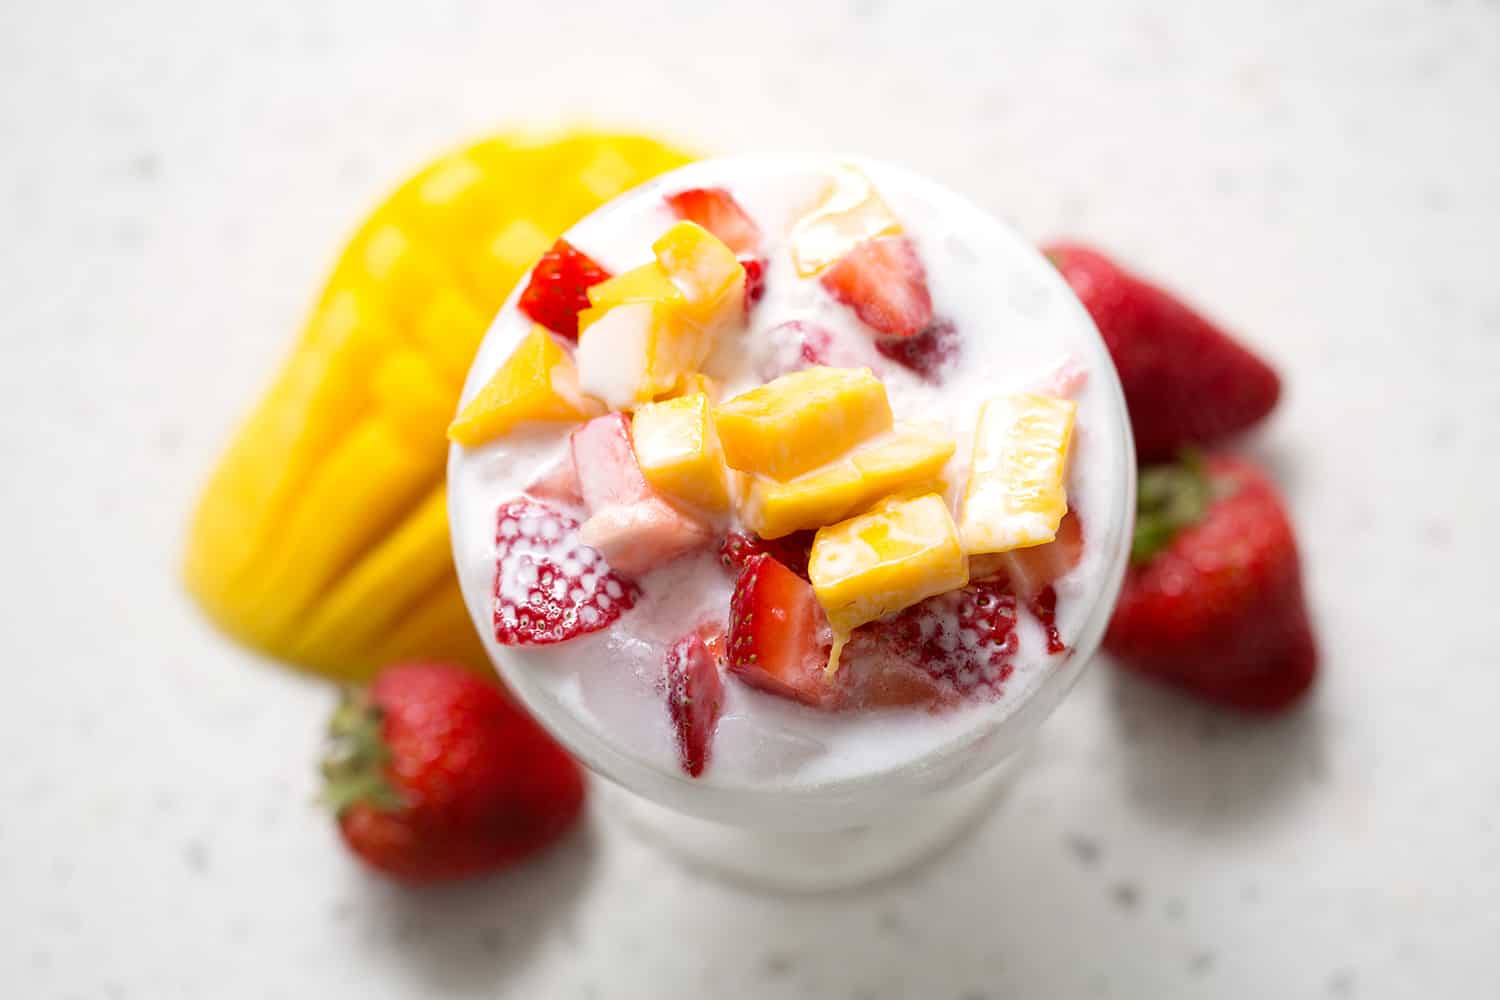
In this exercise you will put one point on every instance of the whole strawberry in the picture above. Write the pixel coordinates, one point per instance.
(1186, 381)
(434, 773)
(1213, 599)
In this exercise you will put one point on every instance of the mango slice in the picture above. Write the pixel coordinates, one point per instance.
(850, 212)
(902, 552)
(1016, 496)
(649, 329)
(537, 383)
(678, 450)
(802, 420)
(321, 538)
(909, 455)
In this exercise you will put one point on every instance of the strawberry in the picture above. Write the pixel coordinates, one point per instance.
(604, 462)
(716, 210)
(755, 280)
(778, 638)
(952, 646)
(737, 547)
(883, 281)
(927, 353)
(557, 482)
(1031, 570)
(549, 586)
(558, 289)
(1186, 381)
(434, 773)
(1213, 599)
(695, 696)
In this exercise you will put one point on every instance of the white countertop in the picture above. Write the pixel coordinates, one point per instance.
(174, 180)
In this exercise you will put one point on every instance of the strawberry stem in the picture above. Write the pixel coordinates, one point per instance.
(1169, 498)
(355, 758)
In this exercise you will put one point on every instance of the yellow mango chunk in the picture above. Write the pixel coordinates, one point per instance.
(710, 276)
(802, 420)
(873, 565)
(679, 453)
(536, 383)
(850, 212)
(320, 526)
(1015, 496)
(696, 382)
(910, 455)
(649, 329)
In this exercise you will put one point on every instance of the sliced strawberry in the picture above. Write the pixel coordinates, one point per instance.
(695, 696)
(558, 289)
(638, 537)
(558, 482)
(1030, 571)
(952, 646)
(883, 281)
(605, 463)
(737, 548)
(716, 210)
(549, 586)
(779, 639)
(755, 279)
(928, 353)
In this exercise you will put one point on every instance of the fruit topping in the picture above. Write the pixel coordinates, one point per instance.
(883, 281)
(605, 463)
(558, 483)
(910, 454)
(537, 382)
(558, 289)
(651, 327)
(736, 549)
(641, 536)
(903, 551)
(678, 450)
(802, 420)
(778, 638)
(695, 697)
(549, 586)
(716, 211)
(1031, 570)
(1015, 496)
(849, 212)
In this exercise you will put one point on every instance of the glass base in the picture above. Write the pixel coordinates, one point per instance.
(807, 862)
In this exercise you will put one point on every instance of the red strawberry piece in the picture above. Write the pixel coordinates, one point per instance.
(434, 773)
(605, 463)
(716, 210)
(1030, 571)
(1186, 381)
(883, 281)
(695, 696)
(638, 537)
(779, 638)
(737, 547)
(558, 289)
(549, 586)
(928, 353)
(755, 280)
(952, 646)
(1212, 602)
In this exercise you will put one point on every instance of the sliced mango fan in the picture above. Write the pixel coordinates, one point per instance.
(322, 537)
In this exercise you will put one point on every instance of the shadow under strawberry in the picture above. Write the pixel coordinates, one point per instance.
(466, 938)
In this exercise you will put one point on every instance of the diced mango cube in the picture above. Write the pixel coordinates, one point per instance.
(635, 352)
(909, 455)
(538, 382)
(851, 211)
(902, 552)
(802, 420)
(679, 453)
(710, 276)
(1015, 496)
(696, 382)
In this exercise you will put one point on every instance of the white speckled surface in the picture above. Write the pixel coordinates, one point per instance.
(173, 180)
